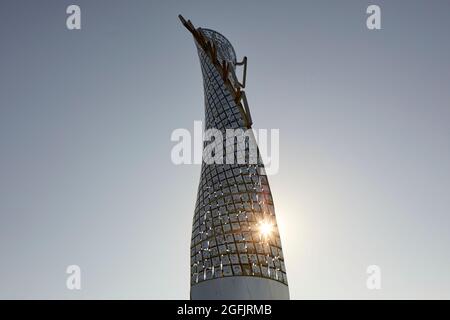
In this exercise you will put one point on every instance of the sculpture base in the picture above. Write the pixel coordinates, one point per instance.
(240, 288)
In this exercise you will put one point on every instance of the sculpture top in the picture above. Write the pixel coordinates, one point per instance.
(223, 57)
(225, 50)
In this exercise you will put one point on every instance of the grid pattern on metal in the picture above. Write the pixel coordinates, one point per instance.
(232, 203)
(225, 50)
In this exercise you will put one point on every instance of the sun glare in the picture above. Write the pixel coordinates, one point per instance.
(265, 229)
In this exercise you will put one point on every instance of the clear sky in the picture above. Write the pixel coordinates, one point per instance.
(85, 123)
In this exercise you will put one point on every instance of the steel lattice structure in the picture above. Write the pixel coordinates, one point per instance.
(230, 257)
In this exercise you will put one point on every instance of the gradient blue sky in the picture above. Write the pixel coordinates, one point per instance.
(86, 118)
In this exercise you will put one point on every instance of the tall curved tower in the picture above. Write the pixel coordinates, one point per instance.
(236, 248)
